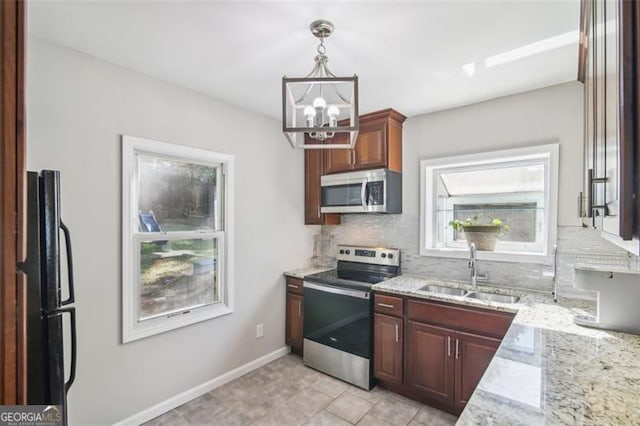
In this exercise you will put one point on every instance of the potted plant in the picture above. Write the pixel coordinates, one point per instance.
(484, 236)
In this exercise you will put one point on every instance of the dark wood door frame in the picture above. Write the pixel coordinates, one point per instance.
(12, 173)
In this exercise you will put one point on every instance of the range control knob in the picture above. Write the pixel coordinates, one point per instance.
(390, 256)
(383, 255)
(341, 251)
(348, 252)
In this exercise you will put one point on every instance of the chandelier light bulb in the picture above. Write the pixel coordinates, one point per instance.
(309, 111)
(319, 103)
(309, 114)
(333, 112)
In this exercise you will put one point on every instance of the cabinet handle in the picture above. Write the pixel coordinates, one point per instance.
(354, 159)
(397, 336)
(457, 348)
(385, 305)
(448, 345)
(292, 285)
(318, 211)
(299, 309)
(592, 210)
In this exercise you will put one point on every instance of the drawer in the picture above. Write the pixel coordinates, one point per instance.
(482, 321)
(390, 305)
(294, 285)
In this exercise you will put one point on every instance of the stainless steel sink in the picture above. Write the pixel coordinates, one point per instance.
(493, 297)
(453, 291)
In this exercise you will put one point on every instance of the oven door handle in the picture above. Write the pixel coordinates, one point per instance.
(338, 290)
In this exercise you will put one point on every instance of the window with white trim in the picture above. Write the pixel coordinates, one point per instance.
(176, 236)
(517, 186)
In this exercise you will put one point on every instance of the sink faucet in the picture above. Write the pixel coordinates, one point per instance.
(475, 276)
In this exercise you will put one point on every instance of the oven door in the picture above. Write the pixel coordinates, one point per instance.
(338, 317)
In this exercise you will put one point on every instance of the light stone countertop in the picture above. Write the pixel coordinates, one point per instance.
(547, 370)
(303, 272)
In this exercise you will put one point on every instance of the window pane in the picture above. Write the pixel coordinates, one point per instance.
(525, 178)
(175, 195)
(177, 275)
(511, 192)
(521, 218)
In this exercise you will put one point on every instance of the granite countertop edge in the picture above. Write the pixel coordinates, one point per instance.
(308, 270)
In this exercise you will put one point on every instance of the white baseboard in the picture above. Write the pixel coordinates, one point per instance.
(188, 395)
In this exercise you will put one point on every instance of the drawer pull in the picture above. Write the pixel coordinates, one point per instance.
(292, 286)
(385, 305)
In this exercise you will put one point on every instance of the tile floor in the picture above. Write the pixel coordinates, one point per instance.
(285, 392)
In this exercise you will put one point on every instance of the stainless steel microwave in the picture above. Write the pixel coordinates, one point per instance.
(367, 191)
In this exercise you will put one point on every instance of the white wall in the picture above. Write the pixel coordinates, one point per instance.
(77, 108)
(509, 122)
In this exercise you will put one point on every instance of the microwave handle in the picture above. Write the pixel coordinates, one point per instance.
(363, 193)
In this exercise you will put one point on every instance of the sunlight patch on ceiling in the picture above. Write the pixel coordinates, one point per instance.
(566, 39)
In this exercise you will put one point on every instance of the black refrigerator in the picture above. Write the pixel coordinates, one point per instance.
(46, 383)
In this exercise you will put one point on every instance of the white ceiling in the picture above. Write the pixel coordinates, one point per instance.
(407, 55)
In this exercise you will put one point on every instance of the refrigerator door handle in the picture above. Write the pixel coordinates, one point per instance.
(72, 373)
(67, 240)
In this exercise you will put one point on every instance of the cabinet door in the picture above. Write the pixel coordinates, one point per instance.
(312, 171)
(371, 149)
(430, 364)
(599, 149)
(589, 111)
(294, 321)
(339, 160)
(473, 353)
(610, 133)
(387, 348)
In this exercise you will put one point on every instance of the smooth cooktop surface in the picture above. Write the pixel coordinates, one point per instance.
(345, 279)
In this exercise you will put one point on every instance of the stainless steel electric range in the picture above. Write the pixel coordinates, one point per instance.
(338, 326)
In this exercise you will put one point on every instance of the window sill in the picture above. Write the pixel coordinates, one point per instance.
(161, 324)
(497, 256)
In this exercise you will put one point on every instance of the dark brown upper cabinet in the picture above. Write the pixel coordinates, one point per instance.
(313, 169)
(379, 145)
(609, 69)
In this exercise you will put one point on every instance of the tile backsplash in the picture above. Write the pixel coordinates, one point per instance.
(576, 245)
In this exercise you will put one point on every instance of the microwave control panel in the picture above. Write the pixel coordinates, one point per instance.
(375, 193)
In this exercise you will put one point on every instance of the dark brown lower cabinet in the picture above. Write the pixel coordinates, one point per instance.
(443, 352)
(430, 366)
(388, 346)
(473, 354)
(294, 317)
(294, 322)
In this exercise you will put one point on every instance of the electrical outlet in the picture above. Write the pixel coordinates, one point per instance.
(259, 331)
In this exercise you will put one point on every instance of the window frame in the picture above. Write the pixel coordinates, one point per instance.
(430, 167)
(133, 328)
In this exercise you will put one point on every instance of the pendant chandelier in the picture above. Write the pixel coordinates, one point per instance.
(320, 105)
